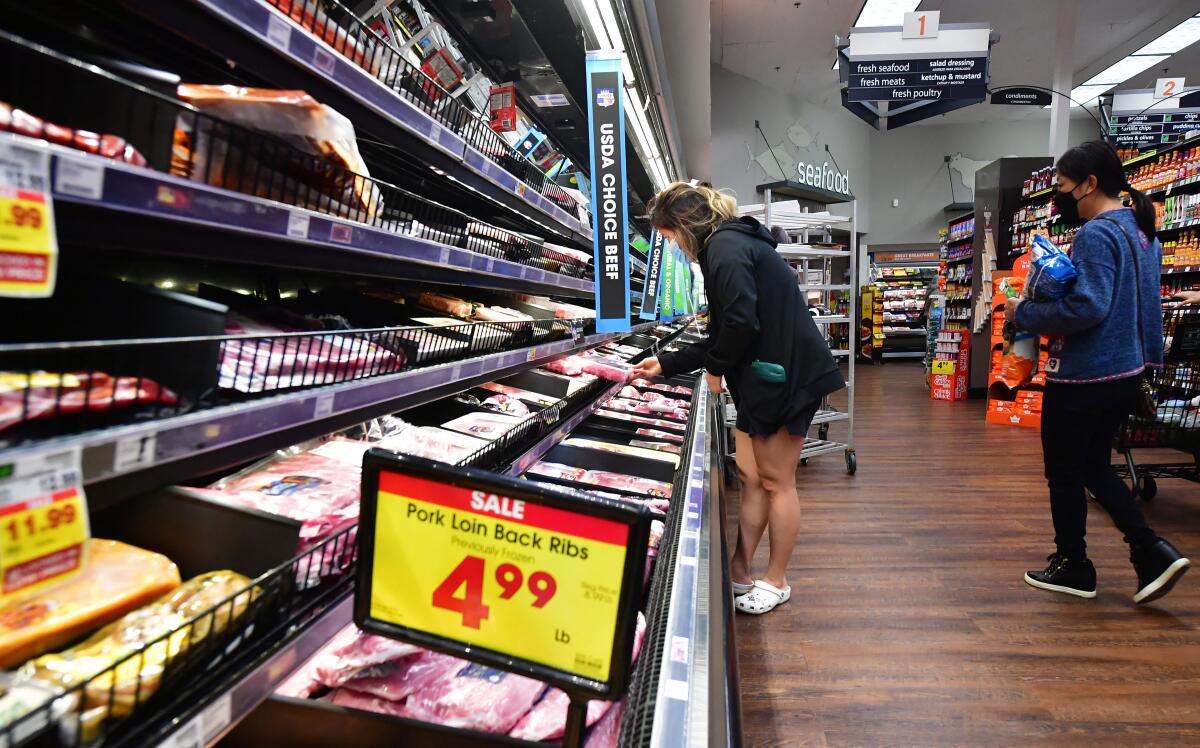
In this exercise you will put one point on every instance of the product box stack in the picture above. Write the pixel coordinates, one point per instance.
(1022, 406)
(951, 365)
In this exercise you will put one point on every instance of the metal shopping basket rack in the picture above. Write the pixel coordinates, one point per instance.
(1176, 422)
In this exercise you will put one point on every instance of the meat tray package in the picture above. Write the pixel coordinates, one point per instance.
(655, 505)
(645, 408)
(448, 304)
(483, 425)
(548, 719)
(346, 451)
(351, 653)
(622, 449)
(507, 404)
(667, 405)
(571, 366)
(677, 389)
(630, 393)
(665, 435)
(365, 702)
(536, 398)
(296, 118)
(657, 446)
(623, 415)
(476, 697)
(631, 483)
(45, 395)
(614, 370)
(312, 16)
(433, 443)
(116, 579)
(556, 470)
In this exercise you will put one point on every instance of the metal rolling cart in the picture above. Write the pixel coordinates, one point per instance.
(815, 274)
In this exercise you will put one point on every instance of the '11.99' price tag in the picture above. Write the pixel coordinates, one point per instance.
(43, 522)
(28, 245)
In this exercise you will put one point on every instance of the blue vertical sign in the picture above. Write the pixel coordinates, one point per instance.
(610, 220)
(653, 267)
(666, 308)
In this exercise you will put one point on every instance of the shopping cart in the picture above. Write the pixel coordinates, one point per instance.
(1176, 421)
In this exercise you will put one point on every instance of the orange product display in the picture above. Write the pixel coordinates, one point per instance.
(951, 366)
(118, 579)
(1021, 406)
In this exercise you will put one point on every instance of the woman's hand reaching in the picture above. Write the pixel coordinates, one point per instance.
(1010, 307)
(647, 368)
(714, 382)
(1187, 297)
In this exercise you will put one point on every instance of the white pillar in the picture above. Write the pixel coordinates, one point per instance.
(1064, 70)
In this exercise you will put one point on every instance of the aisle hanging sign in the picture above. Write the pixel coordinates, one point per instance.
(907, 73)
(43, 517)
(513, 575)
(653, 267)
(1141, 119)
(28, 244)
(1022, 96)
(666, 305)
(610, 220)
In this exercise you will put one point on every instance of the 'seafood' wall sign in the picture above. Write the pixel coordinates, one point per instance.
(516, 575)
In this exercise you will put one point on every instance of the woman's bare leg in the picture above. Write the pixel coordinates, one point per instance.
(776, 457)
(752, 511)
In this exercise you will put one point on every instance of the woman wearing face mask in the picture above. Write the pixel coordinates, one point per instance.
(763, 341)
(1104, 334)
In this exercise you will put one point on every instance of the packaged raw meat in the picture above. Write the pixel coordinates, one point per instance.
(483, 425)
(668, 436)
(657, 446)
(505, 404)
(352, 653)
(366, 702)
(556, 470)
(630, 393)
(46, 395)
(611, 369)
(117, 579)
(213, 156)
(548, 719)
(623, 415)
(607, 731)
(677, 389)
(631, 483)
(571, 366)
(622, 449)
(301, 684)
(500, 314)
(666, 405)
(398, 679)
(476, 697)
(655, 505)
(433, 443)
(536, 398)
(347, 451)
(448, 304)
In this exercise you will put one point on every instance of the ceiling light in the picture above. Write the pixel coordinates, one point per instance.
(885, 12)
(1085, 95)
(1123, 70)
(1183, 35)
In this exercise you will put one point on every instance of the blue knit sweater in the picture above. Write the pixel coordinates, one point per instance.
(1097, 323)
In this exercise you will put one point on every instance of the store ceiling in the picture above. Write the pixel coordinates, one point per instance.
(788, 45)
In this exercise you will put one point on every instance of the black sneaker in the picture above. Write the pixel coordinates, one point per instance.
(1065, 575)
(1159, 566)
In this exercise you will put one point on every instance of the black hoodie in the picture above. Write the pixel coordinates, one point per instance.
(757, 312)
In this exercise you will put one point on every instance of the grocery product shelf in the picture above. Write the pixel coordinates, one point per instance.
(1183, 185)
(836, 319)
(97, 199)
(960, 240)
(122, 460)
(806, 251)
(350, 78)
(1177, 269)
(1176, 226)
(826, 286)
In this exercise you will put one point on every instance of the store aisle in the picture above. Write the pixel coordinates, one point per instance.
(910, 624)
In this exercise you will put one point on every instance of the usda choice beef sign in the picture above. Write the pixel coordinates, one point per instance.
(610, 244)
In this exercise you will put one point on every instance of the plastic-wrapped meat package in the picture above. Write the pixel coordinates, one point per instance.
(665, 435)
(657, 446)
(677, 389)
(652, 396)
(348, 451)
(536, 398)
(623, 415)
(607, 731)
(630, 393)
(352, 652)
(621, 449)
(261, 365)
(448, 304)
(666, 405)
(301, 684)
(45, 395)
(483, 425)
(548, 719)
(622, 403)
(655, 505)
(312, 16)
(476, 697)
(571, 366)
(433, 443)
(612, 369)
(506, 404)
(366, 703)
(556, 470)
(631, 483)
(501, 314)
(644, 408)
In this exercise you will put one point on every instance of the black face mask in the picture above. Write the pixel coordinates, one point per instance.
(1068, 206)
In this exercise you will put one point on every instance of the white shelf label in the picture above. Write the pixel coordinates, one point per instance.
(32, 476)
(279, 32)
(444, 256)
(676, 689)
(80, 179)
(134, 451)
(323, 61)
(298, 225)
(324, 406)
(216, 718)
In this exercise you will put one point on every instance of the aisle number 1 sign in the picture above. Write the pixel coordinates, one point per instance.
(510, 574)
(28, 245)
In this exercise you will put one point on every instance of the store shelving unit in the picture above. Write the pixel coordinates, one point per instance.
(455, 213)
(903, 288)
(815, 272)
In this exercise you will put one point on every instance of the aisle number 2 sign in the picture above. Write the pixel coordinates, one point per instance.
(506, 573)
(28, 245)
(43, 522)
(921, 25)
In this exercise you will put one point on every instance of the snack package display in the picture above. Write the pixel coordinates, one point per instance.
(117, 579)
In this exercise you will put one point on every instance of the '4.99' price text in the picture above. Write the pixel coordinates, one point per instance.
(469, 576)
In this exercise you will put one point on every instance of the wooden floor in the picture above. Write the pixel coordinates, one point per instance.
(910, 624)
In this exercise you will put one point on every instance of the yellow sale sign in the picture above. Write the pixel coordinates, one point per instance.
(41, 542)
(943, 366)
(534, 582)
(28, 245)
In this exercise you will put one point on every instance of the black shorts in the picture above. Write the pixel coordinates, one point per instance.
(798, 426)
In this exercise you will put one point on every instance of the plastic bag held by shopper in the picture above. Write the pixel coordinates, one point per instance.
(1051, 277)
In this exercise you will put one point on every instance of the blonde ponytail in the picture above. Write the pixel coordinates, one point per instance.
(692, 212)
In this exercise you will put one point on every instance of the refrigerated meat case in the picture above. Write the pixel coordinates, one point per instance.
(179, 399)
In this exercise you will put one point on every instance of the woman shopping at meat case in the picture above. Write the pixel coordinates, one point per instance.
(763, 342)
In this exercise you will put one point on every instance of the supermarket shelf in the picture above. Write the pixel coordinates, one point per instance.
(904, 354)
(960, 240)
(199, 443)
(836, 319)
(1166, 189)
(1036, 196)
(221, 711)
(904, 332)
(825, 286)
(291, 57)
(966, 258)
(1177, 269)
(1142, 157)
(1180, 225)
(92, 193)
(807, 251)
